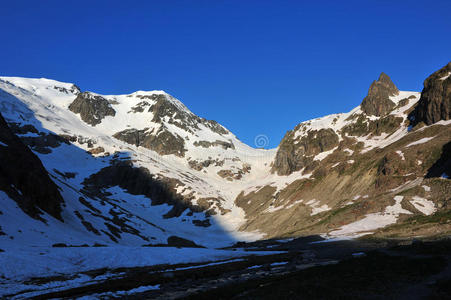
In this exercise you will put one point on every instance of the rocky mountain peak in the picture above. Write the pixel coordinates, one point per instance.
(377, 102)
(435, 102)
(384, 79)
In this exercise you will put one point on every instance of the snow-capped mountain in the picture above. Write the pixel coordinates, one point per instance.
(142, 169)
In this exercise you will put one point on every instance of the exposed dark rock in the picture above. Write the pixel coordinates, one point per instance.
(207, 144)
(65, 175)
(68, 138)
(167, 108)
(163, 141)
(377, 102)
(199, 165)
(72, 90)
(294, 154)
(435, 102)
(202, 223)
(22, 129)
(97, 150)
(176, 241)
(364, 126)
(24, 178)
(443, 164)
(140, 107)
(235, 173)
(92, 108)
(40, 142)
(44, 142)
(86, 224)
(391, 164)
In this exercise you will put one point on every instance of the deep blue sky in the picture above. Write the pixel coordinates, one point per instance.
(257, 67)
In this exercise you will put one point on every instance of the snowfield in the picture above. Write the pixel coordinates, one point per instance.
(21, 264)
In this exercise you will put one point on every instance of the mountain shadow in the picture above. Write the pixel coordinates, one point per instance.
(442, 167)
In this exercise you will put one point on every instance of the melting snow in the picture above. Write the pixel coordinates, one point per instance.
(316, 207)
(400, 153)
(446, 76)
(372, 221)
(426, 188)
(427, 207)
(324, 154)
(421, 141)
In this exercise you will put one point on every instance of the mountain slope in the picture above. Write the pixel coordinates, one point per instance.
(363, 171)
(141, 168)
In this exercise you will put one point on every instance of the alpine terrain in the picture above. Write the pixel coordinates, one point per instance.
(93, 182)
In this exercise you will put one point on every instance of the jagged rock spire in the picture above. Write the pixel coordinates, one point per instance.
(377, 102)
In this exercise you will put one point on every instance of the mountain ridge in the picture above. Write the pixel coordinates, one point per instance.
(195, 171)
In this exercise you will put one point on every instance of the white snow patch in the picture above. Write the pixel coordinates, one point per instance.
(427, 207)
(400, 153)
(324, 154)
(272, 209)
(316, 207)
(421, 141)
(293, 204)
(446, 76)
(372, 221)
(349, 151)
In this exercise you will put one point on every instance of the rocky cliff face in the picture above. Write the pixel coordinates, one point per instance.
(295, 153)
(377, 102)
(92, 108)
(171, 126)
(162, 141)
(24, 178)
(362, 166)
(435, 101)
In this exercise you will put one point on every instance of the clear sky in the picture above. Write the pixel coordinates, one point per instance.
(257, 67)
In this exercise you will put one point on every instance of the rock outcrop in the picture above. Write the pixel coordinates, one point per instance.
(377, 102)
(435, 102)
(295, 153)
(24, 178)
(163, 141)
(207, 144)
(164, 107)
(92, 108)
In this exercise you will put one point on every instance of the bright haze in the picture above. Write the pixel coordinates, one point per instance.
(257, 67)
